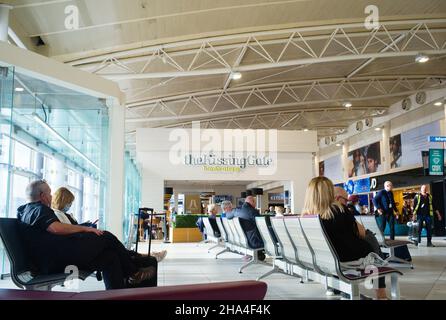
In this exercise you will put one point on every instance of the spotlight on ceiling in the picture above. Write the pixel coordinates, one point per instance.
(378, 129)
(338, 144)
(305, 129)
(18, 89)
(438, 103)
(421, 58)
(236, 76)
(347, 104)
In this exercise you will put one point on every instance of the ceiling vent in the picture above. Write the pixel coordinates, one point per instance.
(359, 126)
(369, 122)
(406, 104)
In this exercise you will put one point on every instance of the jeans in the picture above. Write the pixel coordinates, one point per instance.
(390, 218)
(428, 220)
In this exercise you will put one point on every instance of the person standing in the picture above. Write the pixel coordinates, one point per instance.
(385, 206)
(424, 212)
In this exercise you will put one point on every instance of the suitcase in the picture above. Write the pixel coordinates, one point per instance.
(413, 231)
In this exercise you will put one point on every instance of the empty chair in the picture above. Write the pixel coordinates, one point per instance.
(287, 247)
(303, 253)
(271, 248)
(210, 233)
(369, 222)
(225, 237)
(234, 233)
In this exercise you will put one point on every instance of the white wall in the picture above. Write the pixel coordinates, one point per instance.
(294, 164)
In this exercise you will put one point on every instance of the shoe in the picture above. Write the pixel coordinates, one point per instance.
(159, 255)
(329, 292)
(142, 275)
(430, 244)
(261, 256)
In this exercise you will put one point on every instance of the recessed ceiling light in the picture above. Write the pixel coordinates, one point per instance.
(236, 75)
(438, 103)
(378, 129)
(305, 129)
(18, 89)
(347, 104)
(421, 58)
(338, 144)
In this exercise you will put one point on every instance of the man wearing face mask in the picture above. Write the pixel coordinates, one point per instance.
(386, 208)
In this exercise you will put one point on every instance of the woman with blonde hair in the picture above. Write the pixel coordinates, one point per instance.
(279, 211)
(61, 204)
(340, 226)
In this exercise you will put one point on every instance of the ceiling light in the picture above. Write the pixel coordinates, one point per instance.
(377, 129)
(338, 144)
(347, 104)
(438, 103)
(421, 58)
(305, 129)
(236, 76)
(18, 89)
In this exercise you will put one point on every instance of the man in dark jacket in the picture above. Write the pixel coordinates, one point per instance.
(385, 206)
(52, 245)
(247, 215)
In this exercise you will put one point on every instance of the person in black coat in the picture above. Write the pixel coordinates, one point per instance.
(247, 215)
(386, 208)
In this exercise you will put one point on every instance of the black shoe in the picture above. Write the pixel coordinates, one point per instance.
(261, 256)
(429, 244)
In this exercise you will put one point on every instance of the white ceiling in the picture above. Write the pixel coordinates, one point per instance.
(300, 60)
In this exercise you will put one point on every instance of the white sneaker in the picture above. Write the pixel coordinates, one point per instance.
(329, 292)
(159, 255)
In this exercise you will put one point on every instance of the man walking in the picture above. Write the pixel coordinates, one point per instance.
(424, 212)
(385, 206)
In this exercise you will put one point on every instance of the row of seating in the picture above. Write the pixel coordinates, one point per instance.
(233, 239)
(303, 250)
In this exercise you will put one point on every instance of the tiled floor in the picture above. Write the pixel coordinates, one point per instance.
(188, 263)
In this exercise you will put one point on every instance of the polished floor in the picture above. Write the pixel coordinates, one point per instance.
(188, 263)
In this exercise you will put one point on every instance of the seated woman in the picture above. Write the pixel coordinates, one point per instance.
(212, 212)
(61, 204)
(346, 235)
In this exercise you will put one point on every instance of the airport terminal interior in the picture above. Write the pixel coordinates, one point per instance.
(237, 144)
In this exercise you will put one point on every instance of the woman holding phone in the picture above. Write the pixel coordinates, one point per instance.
(61, 204)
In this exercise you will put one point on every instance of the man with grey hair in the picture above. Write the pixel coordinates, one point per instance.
(227, 210)
(52, 245)
(386, 208)
(247, 215)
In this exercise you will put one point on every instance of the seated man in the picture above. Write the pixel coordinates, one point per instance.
(212, 211)
(53, 245)
(247, 215)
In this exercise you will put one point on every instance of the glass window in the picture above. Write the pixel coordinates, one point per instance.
(22, 156)
(19, 184)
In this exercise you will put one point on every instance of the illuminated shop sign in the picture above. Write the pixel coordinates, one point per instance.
(230, 161)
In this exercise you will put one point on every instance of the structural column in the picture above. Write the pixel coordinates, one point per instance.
(345, 147)
(385, 152)
(4, 21)
(115, 213)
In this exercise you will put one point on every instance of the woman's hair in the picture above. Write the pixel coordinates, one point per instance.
(319, 198)
(61, 198)
(278, 209)
(211, 207)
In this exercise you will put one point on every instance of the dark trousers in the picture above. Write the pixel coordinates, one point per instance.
(390, 218)
(427, 219)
